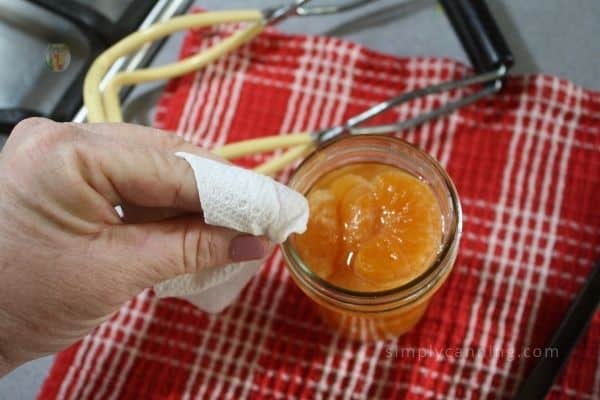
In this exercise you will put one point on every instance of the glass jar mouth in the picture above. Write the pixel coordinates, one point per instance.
(407, 292)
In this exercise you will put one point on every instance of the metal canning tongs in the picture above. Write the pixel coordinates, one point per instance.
(485, 46)
(482, 40)
(488, 52)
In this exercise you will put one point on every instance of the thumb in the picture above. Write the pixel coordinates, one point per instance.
(157, 251)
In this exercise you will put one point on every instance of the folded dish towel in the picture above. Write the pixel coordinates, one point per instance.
(526, 163)
(239, 199)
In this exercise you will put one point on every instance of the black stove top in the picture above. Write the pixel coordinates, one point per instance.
(48, 45)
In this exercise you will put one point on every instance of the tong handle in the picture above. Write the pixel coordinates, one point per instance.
(578, 317)
(479, 34)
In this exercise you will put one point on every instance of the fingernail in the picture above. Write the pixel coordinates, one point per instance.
(246, 247)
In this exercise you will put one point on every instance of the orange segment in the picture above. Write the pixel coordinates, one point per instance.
(389, 261)
(383, 260)
(408, 208)
(358, 213)
(318, 245)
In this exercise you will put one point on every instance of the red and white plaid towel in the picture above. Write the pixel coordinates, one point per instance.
(527, 167)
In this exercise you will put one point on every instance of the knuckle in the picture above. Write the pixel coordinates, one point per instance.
(161, 169)
(39, 148)
(209, 248)
(182, 170)
(29, 124)
(39, 129)
(189, 250)
(36, 138)
(166, 139)
(67, 159)
(201, 248)
(56, 136)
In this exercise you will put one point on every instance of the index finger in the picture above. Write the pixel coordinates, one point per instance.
(149, 136)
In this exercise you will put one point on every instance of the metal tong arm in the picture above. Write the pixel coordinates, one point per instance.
(352, 125)
(275, 15)
(487, 51)
(298, 8)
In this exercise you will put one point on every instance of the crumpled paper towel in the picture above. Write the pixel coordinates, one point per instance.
(239, 199)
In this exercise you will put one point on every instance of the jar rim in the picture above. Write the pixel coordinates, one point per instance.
(408, 291)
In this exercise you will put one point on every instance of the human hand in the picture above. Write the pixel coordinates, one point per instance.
(67, 260)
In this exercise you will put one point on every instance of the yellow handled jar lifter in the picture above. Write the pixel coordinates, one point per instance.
(471, 19)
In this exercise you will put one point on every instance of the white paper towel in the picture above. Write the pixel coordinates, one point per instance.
(245, 201)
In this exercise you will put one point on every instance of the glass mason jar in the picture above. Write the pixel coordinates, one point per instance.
(389, 313)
